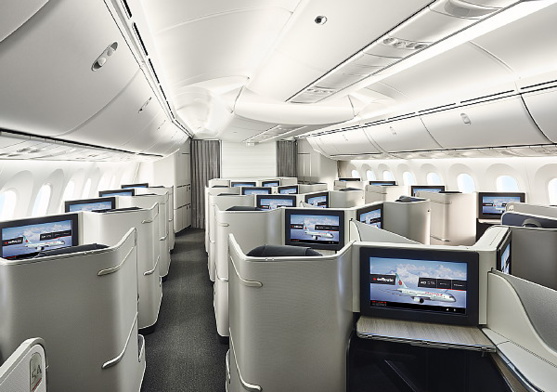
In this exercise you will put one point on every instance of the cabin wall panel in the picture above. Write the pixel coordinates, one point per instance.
(240, 160)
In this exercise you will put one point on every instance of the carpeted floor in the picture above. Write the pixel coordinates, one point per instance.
(184, 352)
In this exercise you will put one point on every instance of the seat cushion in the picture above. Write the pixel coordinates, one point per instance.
(282, 251)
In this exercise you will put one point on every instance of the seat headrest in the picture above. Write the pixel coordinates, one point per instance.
(282, 250)
(71, 249)
(408, 199)
(243, 208)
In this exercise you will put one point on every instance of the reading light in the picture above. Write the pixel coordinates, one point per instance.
(320, 20)
(103, 58)
(465, 119)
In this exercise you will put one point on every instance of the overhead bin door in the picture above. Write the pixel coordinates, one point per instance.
(20, 12)
(349, 142)
(500, 123)
(541, 105)
(48, 85)
(403, 135)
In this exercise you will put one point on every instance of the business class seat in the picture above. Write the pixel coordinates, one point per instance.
(290, 319)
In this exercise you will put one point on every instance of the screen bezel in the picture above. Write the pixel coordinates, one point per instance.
(266, 183)
(365, 210)
(481, 195)
(69, 203)
(417, 188)
(501, 249)
(237, 184)
(471, 317)
(258, 199)
(289, 212)
(308, 196)
(38, 221)
(117, 191)
(249, 189)
(345, 179)
(281, 188)
(139, 185)
(382, 183)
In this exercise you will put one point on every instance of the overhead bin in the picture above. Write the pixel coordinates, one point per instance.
(352, 141)
(541, 105)
(499, 123)
(20, 12)
(48, 84)
(403, 135)
(125, 117)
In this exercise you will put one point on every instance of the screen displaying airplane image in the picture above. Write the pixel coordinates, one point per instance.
(495, 205)
(382, 183)
(270, 183)
(256, 191)
(372, 218)
(320, 200)
(130, 186)
(318, 229)
(19, 241)
(505, 260)
(121, 192)
(95, 206)
(430, 188)
(431, 285)
(240, 184)
(275, 202)
(286, 190)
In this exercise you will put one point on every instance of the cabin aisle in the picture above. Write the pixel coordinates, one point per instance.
(184, 352)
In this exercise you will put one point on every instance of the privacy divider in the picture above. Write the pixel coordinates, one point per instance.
(521, 322)
(25, 369)
(384, 193)
(533, 253)
(84, 306)
(108, 227)
(221, 202)
(344, 199)
(307, 188)
(411, 219)
(342, 184)
(525, 208)
(278, 345)
(251, 229)
(453, 217)
(169, 192)
(213, 192)
(147, 201)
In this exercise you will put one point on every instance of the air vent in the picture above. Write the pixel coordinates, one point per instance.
(127, 8)
(154, 72)
(442, 107)
(461, 9)
(103, 58)
(401, 116)
(139, 39)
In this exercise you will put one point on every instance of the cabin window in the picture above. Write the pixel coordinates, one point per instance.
(408, 178)
(388, 176)
(8, 201)
(69, 191)
(465, 183)
(506, 184)
(41, 202)
(370, 175)
(433, 179)
(355, 174)
(552, 190)
(86, 189)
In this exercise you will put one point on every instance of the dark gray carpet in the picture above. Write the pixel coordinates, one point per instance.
(184, 352)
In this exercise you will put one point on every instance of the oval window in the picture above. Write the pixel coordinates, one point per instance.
(388, 176)
(408, 178)
(371, 175)
(465, 183)
(355, 174)
(552, 190)
(433, 179)
(69, 191)
(41, 202)
(506, 184)
(86, 188)
(8, 200)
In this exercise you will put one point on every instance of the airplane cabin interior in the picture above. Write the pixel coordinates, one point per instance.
(278, 195)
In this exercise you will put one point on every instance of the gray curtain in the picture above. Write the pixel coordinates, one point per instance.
(205, 164)
(287, 155)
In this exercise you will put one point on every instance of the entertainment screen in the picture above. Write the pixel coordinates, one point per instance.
(257, 191)
(419, 284)
(372, 215)
(270, 183)
(117, 192)
(25, 238)
(141, 185)
(270, 202)
(289, 189)
(492, 204)
(382, 183)
(318, 229)
(320, 200)
(236, 184)
(97, 205)
(414, 189)
(349, 179)
(504, 255)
